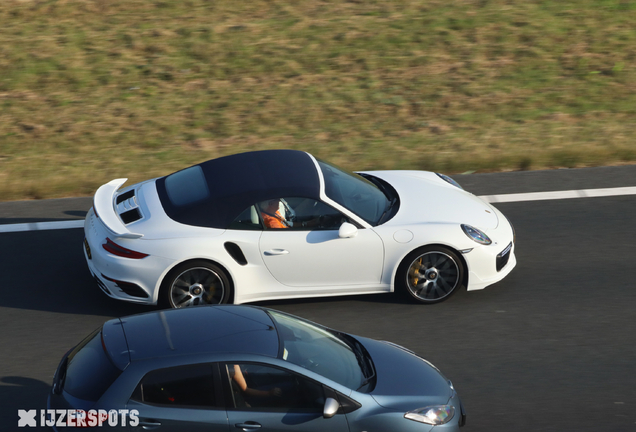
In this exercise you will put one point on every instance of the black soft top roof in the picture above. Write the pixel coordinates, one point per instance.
(234, 183)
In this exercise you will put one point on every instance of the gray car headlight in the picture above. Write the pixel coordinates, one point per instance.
(449, 180)
(433, 415)
(476, 234)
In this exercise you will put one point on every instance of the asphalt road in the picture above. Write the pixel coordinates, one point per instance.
(550, 348)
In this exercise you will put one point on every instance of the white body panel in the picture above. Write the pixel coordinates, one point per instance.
(426, 198)
(323, 259)
(292, 264)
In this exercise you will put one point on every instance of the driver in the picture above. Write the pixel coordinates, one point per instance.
(239, 378)
(270, 211)
(272, 217)
(240, 388)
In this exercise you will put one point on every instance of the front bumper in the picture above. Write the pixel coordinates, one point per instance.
(490, 264)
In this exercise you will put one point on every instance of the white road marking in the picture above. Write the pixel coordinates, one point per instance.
(559, 195)
(39, 226)
(493, 199)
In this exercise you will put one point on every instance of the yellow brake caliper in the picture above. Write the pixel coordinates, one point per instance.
(414, 278)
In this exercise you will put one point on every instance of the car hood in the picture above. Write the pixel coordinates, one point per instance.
(424, 197)
(405, 381)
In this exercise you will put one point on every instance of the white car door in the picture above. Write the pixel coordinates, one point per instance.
(320, 258)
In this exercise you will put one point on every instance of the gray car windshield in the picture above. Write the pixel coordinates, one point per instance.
(354, 193)
(318, 350)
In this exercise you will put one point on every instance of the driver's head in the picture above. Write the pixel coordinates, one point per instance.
(270, 205)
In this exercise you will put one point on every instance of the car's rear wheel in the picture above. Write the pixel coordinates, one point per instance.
(195, 283)
(431, 274)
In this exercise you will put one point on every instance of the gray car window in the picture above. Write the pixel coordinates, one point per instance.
(273, 389)
(189, 386)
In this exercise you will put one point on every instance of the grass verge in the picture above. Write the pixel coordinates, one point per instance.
(92, 90)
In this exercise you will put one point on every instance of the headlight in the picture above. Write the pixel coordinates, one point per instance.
(433, 415)
(449, 180)
(476, 234)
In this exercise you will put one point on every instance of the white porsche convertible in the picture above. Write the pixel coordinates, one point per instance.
(282, 224)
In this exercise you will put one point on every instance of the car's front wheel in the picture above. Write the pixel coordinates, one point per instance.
(195, 283)
(430, 274)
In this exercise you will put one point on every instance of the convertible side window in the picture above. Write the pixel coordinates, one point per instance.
(257, 387)
(299, 213)
(190, 386)
(247, 220)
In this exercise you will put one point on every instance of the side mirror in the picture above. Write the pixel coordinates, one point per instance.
(347, 230)
(331, 408)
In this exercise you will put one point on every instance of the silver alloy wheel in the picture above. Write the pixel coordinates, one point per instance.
(196, 286)
(432, 276)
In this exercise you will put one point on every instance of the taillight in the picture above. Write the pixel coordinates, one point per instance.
(60, 374)
(115, 249)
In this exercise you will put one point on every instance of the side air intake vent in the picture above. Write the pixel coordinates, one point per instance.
(235, 252)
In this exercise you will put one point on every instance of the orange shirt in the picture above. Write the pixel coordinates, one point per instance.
(274, 221)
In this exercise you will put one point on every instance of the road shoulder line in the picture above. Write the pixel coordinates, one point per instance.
(493, 199)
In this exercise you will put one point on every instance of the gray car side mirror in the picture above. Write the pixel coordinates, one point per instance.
(331, 408)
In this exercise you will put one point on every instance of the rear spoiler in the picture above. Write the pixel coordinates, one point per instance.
(103, 205)
(115, 344)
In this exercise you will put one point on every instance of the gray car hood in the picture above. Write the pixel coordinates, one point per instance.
(404, 380)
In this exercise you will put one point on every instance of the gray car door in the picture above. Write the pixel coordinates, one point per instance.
(277, 400)
(182, 398)
(169, 419)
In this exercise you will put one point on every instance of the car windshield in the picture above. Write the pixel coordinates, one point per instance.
(337, 357)
(355, 193)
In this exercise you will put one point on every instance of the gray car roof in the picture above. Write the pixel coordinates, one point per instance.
(202, 329)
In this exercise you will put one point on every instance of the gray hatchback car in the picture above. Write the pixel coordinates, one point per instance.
(245, 368)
